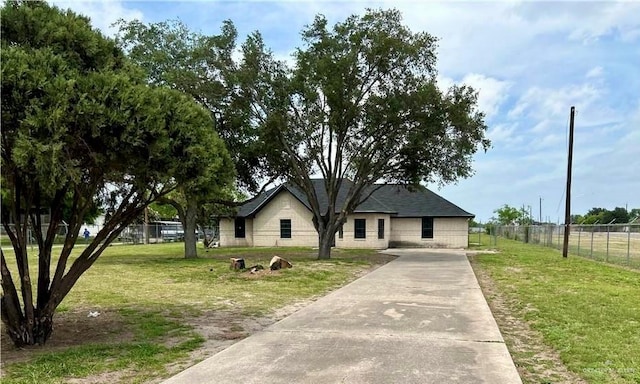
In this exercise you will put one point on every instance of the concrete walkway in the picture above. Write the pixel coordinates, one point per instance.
(419, 319)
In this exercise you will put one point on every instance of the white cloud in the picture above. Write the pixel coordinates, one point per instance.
(491, 92)
(503, 133)
(614, 18)
(102, 13)
(541, 103)
(595, 72)
(542, 126)
(549, 140)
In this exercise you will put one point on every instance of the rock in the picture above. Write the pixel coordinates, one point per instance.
(236, 264)
(278, 263)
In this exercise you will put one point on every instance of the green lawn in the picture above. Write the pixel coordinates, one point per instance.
(154, 293)
(588, 311)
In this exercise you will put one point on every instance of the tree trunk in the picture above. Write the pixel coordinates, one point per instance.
(190, 239)
(22, 333)
(325, 242)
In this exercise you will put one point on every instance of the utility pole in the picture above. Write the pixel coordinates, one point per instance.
(540, 216)
(567, 209)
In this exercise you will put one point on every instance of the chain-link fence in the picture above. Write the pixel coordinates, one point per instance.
(152, 233)
(31, 236)
(613, 243)
(162, 232)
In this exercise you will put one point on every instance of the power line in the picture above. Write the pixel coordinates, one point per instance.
(566, 147)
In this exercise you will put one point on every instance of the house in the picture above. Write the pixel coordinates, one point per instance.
(393, 216)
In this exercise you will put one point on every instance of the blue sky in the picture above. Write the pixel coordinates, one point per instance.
(530, 62)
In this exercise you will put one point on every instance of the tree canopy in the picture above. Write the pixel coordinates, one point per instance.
(203, 67)
(81, 124)
(508, 215)
(361, 102)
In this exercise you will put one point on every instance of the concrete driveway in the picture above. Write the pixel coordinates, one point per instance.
(419, 319)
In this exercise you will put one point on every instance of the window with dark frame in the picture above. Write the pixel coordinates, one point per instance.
(341, 232)
(427, 227)
(285, 228)
(360, 228)
(380, 228)
(240, 228)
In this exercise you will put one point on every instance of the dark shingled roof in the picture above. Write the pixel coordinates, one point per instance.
(397, 200)
(417, 203)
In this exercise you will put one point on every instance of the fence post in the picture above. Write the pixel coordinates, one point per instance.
(628, 245)
(579, 231)
(607, 243)
(591, 250)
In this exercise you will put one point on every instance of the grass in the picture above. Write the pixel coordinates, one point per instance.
(156, 276)
(588, 311)
(155, 292)
(136, 361)
(621, 248)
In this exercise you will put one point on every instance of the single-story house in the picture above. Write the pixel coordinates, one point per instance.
(393, 216)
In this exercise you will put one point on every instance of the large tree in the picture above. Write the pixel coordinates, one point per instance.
(203, 67)
(508, 215)
(362, 103)
(79, 123)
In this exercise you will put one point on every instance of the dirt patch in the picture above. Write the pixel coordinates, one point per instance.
(259, 274)
(536, 362)
(71, 328)
(219, 328)
(107, 377)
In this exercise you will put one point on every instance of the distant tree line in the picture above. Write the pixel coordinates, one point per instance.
(508, 215)
(618, 215)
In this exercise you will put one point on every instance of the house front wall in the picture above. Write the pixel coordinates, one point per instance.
(448, 232)
(264, 229)
(371, 239)
(284, 206)
(228, 233)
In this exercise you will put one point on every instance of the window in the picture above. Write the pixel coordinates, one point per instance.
(380, 228)
(239, 227)
(360, 228)
(340, 232)
(285, 228)
(427, 227)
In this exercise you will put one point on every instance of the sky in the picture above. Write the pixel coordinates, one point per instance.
(529, 61)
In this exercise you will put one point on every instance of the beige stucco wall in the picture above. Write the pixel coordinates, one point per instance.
(447, 232)
(267, 223)
(371, 241)
(264, 229)
(228, 234)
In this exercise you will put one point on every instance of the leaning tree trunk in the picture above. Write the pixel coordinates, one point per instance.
(190, 225)
(21, 329)
(325, 242)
